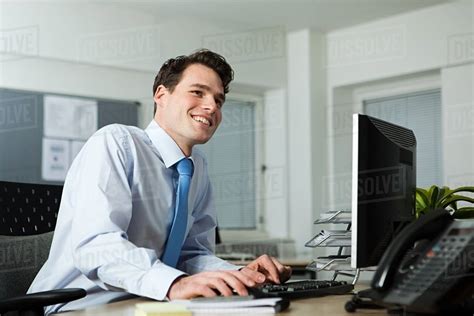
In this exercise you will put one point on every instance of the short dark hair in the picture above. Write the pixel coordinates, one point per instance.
(172, 70)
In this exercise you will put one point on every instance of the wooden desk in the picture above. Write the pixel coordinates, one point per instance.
(328, 305)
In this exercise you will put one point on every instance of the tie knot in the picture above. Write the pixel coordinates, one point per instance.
(185, 167)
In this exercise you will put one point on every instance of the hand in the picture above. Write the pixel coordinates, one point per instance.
(273, 270)
(210, 284)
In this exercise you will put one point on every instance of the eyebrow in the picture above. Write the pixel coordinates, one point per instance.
(220, 96)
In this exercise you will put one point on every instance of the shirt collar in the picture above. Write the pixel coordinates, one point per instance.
(167, 147)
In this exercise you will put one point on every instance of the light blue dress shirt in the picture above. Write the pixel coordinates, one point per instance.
(115, 215)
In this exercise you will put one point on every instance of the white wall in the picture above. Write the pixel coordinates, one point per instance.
(113, 51)
(458, 125)
(108, 37)
(424, 49)
(417, 51)
(276, 162)
(404, 44)
(43, 50)
(306, 134)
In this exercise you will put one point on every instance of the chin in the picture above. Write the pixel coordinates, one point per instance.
(202, 141)
(203, 138)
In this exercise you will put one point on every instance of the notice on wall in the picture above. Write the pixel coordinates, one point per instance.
(69, 118)
(76, 147)
(55, 159)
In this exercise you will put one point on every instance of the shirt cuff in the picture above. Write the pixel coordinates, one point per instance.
(157, 281)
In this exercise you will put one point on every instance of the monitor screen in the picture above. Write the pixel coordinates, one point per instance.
(383, 186)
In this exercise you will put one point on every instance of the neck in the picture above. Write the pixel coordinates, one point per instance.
(186, 149)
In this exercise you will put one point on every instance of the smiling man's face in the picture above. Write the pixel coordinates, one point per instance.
(192, 112)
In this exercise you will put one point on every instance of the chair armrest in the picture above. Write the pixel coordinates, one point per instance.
(37, 300)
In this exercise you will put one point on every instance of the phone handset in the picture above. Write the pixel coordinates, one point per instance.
(427, 226)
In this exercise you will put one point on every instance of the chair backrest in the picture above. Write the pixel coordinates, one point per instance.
(28, 209)
(28, 214)
(21, 258)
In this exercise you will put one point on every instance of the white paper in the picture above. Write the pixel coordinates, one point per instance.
(70, 118)
(55, 159)
(76, 147)
(228, 302)
(239, 311)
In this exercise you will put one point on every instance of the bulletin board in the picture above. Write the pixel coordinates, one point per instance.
(40, 132)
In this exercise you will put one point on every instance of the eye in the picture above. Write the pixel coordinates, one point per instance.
(197, 93)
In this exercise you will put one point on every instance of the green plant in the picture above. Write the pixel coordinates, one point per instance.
(444, 197)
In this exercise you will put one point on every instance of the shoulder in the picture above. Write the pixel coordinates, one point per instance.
(200, 163)
(119, 134)
(118, 131)
(114, 139)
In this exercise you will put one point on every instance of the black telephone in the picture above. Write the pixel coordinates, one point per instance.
(436, 276)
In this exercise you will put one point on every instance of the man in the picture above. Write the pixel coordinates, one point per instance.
(117, 220)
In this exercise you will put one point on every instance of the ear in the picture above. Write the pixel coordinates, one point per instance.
(160, 95)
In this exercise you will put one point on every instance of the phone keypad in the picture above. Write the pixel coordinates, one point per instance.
(431, 273)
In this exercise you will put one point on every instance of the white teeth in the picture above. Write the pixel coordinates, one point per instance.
(202, 120)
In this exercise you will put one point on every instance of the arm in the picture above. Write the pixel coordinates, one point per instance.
(101, 201)
(198, 255)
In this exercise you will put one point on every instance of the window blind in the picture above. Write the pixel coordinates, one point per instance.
(420, 112)
(232, 166)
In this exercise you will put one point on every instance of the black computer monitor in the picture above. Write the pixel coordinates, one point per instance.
(383, 186)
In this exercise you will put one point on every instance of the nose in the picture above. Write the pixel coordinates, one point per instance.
(210, 105)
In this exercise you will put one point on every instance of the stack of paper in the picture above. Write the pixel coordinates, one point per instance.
(161, 309)
(233, 305)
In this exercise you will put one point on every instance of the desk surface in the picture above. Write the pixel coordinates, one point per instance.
(328, 305)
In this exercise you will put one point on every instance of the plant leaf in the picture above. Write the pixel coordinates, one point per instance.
(445, 192)
(434, 191)
(464, 212)
(439, 197)
(424, 191)
(466, 208)
(464, 189)
(422, 199)
(420, 211)
(456, 198)
(454, 205)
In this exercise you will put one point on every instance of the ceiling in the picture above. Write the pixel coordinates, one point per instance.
(322, 15)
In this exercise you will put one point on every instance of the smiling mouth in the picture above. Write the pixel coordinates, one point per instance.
(201, 119)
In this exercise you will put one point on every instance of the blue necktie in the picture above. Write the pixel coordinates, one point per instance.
(180, 220)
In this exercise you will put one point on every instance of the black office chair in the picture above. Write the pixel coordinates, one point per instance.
(28, 215)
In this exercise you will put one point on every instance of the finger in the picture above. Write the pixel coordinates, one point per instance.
(284, 271)
(234, 282)
(206, 291)
(256, 276)
(267, 263)
(267, 277)
(195, 290)
(278, 265)
(287, 274)
(220, 285)
(242, 277)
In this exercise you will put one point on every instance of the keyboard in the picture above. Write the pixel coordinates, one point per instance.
(302, 289)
